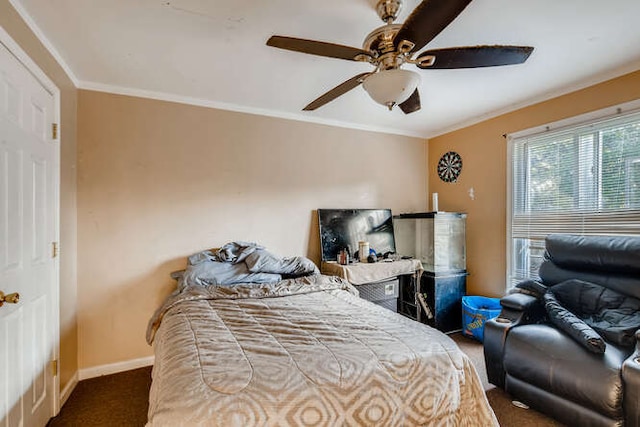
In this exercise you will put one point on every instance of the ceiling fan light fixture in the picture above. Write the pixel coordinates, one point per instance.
(391, 87)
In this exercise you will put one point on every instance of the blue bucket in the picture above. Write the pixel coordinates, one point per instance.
(476, 310)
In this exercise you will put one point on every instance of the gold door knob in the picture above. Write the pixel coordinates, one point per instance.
(9, 299)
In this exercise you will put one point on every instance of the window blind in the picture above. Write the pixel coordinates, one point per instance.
(582, 179)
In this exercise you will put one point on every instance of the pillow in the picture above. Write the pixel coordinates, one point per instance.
(225, 273)
(573, 325)
(200, 257)
(615, 316)
(263, 261)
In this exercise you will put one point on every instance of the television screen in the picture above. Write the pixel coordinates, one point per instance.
(342, 228)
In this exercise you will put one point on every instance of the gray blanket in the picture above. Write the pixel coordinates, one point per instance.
(305, 351)
(243, 262)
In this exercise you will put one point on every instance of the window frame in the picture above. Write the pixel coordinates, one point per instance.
(628, 108)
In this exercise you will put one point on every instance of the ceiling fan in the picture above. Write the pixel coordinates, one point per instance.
(391, 46)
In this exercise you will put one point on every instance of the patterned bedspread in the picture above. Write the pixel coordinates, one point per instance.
(301, 352)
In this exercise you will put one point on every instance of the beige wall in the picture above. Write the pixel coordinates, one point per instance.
(18, 30)
(158, 181)
(483, 151)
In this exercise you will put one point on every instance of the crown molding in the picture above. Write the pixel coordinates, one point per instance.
(565, 90)
(17, 5)
(162, 96)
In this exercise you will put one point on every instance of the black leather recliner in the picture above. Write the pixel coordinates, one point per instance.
(537, 363)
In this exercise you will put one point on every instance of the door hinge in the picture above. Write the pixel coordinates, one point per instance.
(55, 250)
(54, 131)
(54, 368)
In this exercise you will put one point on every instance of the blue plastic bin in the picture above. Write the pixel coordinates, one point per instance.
(476, 310)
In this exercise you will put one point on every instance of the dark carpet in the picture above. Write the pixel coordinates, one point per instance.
(109, 401)
(122, 399)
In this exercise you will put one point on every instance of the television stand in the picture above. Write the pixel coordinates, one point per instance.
(380, 282)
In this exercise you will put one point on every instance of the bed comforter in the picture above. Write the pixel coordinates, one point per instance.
(304, 351)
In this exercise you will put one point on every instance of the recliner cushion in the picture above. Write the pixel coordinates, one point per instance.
(551, 274)
(606, 254)
(616, 317)
(547, 358)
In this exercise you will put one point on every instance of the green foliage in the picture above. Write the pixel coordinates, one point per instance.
(594, 171)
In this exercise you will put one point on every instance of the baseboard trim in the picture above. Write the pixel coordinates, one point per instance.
(114, 368)
(68, 389)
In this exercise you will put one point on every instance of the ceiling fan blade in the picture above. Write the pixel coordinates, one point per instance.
(316, 48)
(412, 104)
(427, 20)
(337, 91)
(476, 56)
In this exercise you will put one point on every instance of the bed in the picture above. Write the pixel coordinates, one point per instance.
(301, 351)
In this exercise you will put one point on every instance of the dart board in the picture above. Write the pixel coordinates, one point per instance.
(450, 166)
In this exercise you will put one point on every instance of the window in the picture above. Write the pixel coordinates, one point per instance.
(579, 179)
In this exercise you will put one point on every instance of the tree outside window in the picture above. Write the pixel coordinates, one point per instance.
(580, 180)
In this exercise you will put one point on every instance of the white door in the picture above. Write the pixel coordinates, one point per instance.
(28, 220)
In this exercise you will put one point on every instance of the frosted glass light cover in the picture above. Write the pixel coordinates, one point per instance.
(391, 86)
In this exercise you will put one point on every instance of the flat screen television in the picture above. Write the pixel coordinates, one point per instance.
(342, 228)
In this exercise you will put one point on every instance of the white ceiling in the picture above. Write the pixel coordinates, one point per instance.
(213, 52)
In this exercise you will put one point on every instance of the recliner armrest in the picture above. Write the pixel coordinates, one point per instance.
(517, 309)
(631, 380)
(518, 301)
(521, 309)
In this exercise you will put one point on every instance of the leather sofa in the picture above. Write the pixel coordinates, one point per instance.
(538, 363)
